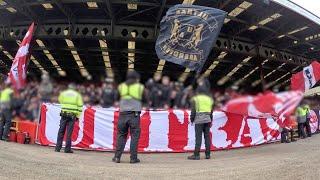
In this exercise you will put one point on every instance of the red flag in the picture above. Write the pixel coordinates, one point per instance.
(307, 78)
(265, 105)
(17, 74)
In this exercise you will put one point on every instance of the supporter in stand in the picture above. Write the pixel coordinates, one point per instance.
(45, 88)
(177, 96)
(149, 86)
(187, 93)
(109, 94)
(165, 92)
(155, 91)
(17, 103)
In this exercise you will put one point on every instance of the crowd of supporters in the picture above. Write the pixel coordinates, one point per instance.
(162, 93)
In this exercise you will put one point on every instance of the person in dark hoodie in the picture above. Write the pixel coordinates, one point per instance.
(131, 93)
(201, 116)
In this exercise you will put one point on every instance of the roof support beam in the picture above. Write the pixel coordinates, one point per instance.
(224, 4)
(222, 44)
(159, 16)
(138, 12)
(66, 11)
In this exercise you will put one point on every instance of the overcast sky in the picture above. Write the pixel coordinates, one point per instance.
(311, 5)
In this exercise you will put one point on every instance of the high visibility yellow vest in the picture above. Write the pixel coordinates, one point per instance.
(301, 111)
(71, 102)
(6, 95)
(133, 91)
(307, 108)
(203, 103)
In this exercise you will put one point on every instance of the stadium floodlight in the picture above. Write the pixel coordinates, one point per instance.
(161, 64)
(265, 21)
(188, 2)
(8, 55)
(251, 72)
(11, 9)
(269, 19)
(50, 57)
(254, 27)
(264, 62)
(226, 20)
(184, 75)
(92, 5)
(34, 60)
(273, 71)
(315, 36)
(298, 30)
(131, 47)
(47, 6)
(69, 43)
(106, 58)
(214, 64)
(254, 84)
(233, 71)
(238, 10)
(274, 82)
(132, 7)
(77, 58)
(2, 3)
(237, 83)
(283, 83)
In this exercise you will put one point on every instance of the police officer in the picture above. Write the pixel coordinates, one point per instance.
(131, 94)
(6, 111)
(71, 108)
(201, 116)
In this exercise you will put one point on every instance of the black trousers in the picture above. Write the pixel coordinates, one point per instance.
(65, 122)
(308, 128)
(301, 132)
(205, 129)
(128, 121)
(285, 135)
(5, 123)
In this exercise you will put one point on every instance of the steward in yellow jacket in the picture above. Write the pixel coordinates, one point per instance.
(71, 108)
(201, 116)
(6, 111)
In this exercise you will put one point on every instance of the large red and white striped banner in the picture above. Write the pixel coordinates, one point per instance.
(247, 121)
(161, 131)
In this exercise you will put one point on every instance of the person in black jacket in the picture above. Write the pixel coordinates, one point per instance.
(165, 98)
(109, 94)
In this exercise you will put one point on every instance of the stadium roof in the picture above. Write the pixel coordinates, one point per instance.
(89, 39)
